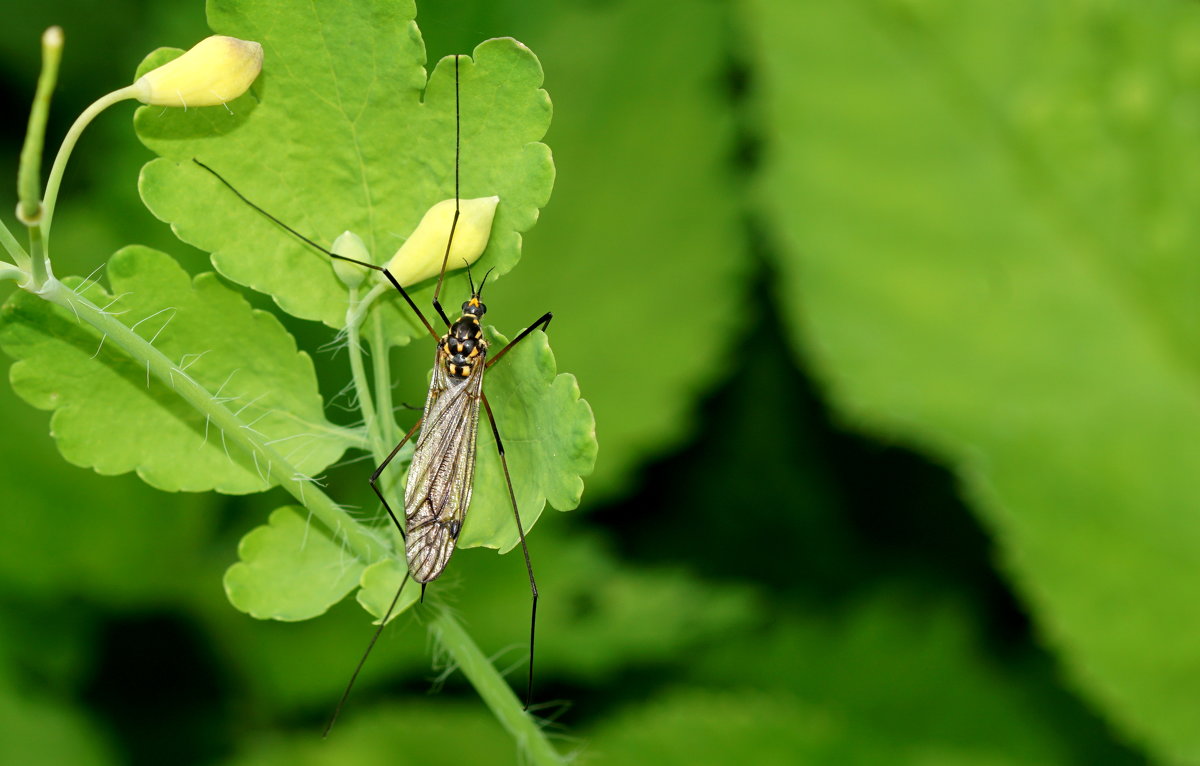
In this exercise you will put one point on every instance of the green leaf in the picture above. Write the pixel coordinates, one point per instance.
(290, 569)
(989, 222)
(870, 663)
(35, 730)
(122, 542)
(604, 614)
(339, 133)
(380, 583)
(110, 415)
(432, 732)
(644, 238)
(549, 437)
(690, 726)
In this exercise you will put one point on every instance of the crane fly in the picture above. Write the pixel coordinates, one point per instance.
(442, 472)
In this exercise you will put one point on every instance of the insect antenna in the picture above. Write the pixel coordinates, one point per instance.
(318, 248)
(437, 291)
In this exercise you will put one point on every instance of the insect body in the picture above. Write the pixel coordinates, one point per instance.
(443, 467)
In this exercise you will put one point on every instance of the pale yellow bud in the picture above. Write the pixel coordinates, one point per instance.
(350, 245)
(421, 256)
(217, 69)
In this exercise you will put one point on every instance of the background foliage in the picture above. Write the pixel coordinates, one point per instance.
(886, 311)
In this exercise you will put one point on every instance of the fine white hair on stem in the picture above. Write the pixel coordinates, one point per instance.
(75, 311)
(273, 442)
(340, 341)
(254, 431)
(307, 526)
(351, 461)
(310, 445)
(217, 393)
(105, 310)
(164, 326)
(301, 479)
(257, 468)
(151, 316)
(84, 285)
(254, 422)
(171, 373)
(249, 403)
(351, 392)
(194, 358)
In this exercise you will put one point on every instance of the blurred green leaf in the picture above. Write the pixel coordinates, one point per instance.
(35, 730)
(432, 732)
(290, 569)
(767, 729)
(894, 678)
(987, 215)
(598, 614)
(341, 133)
(911, 670)
(642, 254)
(111, 416)
(73, 532)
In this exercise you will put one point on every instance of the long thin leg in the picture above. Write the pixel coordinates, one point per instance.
(543, 320)
(374, 637)
(330, 253)
(375, 476)
(533, 591)
(437, 291)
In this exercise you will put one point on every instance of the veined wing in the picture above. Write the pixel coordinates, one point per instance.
(443, 469)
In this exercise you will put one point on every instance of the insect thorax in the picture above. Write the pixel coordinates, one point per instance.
(463, 346)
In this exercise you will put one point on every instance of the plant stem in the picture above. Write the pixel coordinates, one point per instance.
(8, 271)
(357, 312)
(362, 388)
(381, 362)
(9, 243)
(494, 690)
(365, 543)
(64, 154)
(29, 173)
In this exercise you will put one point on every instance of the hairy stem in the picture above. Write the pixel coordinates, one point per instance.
(494, 690)
(365, 543)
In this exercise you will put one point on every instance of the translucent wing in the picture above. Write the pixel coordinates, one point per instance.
(443, 469)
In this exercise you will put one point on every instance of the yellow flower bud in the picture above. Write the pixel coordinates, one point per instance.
(217, 69)
(420, 257)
